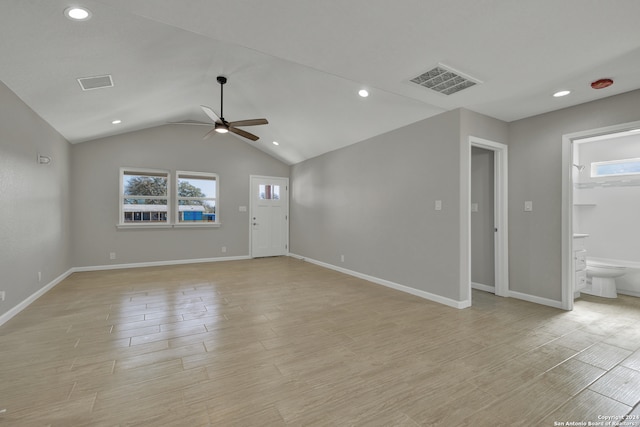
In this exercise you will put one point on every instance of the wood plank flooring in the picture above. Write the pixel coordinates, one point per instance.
(278, 342)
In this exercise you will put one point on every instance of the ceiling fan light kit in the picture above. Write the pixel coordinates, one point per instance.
(221, 128)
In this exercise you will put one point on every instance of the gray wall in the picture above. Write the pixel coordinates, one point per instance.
(535, 173)
(34, 202)
(373, 202)
(95, 178)
(482, 220)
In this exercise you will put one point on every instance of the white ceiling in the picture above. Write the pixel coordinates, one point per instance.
(301, 63)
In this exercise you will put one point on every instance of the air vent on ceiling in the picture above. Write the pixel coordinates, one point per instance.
(445, 80)
(97, 82)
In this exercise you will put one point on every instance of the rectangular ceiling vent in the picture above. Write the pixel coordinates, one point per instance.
(97, 82)
(445, 80)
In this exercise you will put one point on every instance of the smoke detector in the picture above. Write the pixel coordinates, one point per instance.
(445, 80)
(601, 84)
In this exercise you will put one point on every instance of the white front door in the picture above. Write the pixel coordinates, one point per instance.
(269, 216)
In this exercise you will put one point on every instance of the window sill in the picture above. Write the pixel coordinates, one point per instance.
(146, 226)
(197, 225)
(140, 226)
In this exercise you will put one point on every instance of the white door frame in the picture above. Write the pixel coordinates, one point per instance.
(501, 242)
(251, 206)
(568, 273)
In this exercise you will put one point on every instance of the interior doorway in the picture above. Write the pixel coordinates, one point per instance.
(488, 214)
(573, 209)
(269, 216)
(483, 224)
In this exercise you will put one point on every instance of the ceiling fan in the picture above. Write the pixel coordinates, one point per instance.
(220, 125)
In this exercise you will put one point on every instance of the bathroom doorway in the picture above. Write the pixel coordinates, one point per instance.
(601, 197)
(488, 225)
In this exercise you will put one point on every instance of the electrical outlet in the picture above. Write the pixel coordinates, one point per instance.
(112, 255)
(3, 294)
(341, 258)
(39, 276)
(438, 205)
(224, 249)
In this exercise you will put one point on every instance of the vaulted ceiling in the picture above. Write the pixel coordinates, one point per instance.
(301, 63)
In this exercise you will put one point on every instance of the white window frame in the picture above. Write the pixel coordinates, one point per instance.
(121, 197)
(594, 167)
(216, 199)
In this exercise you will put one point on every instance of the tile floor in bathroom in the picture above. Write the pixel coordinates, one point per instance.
(278, 341)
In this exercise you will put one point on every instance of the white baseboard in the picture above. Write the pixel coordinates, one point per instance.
(629, 293)
(24, 304)
(31, 298)
(158, 263)
(485, 288)
(535, 299)
(417, 292)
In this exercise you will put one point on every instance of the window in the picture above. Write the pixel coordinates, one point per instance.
(269, 192)
(144, 196)
(196, 198)
(147, 198)
(615, 168)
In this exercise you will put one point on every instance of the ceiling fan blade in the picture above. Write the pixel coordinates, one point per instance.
(211, 132)
(209, 112)
(252, 122)
(243, 133)
(190, 122)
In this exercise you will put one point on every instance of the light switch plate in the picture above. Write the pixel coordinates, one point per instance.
(528, 206)
(438, 205)
(474, 207)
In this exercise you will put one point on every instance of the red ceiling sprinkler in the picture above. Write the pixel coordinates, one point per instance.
(602, 83)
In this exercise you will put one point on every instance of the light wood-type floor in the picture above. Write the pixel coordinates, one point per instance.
(277, 341)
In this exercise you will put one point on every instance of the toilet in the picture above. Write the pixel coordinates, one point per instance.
(603, 278)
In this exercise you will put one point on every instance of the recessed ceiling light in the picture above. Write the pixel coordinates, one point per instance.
(363, 93)
(276, 143)
(562, 93)
(77, 13)
(116, 122)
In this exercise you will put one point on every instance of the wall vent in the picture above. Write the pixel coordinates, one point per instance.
(445, 80)
(97, 82)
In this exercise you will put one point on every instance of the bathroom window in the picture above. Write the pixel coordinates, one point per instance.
(615, 168)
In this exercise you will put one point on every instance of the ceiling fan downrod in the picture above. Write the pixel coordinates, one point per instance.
(222, 80)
